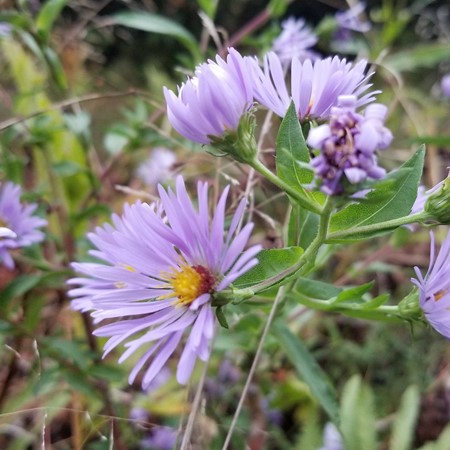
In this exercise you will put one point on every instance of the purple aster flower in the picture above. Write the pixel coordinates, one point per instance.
(5, 29)
(351, 19)
(162, 438)
(348, 144)
(295, 40)
(213, 101)
(162, 263)
(332, 439)
(445, 85)
(157, 167)
(434, 288)
(18, 225)
(315, 86)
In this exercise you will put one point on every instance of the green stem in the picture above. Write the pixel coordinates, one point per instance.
(327, 305)
(382, 226)
(301, 200)
(306, 260)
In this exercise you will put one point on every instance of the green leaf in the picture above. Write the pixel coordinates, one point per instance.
(115, 142)
(357, 416)
(307, 367)
(154, 23)
(47, 16)
(303, 226)
(271, 262)
(107, 372)
(425, 55)
(67, 350)
(56, 69)
(67, 168)
(353, 293)
(317, 289)
(292, 156)
(221, 317)
(405, 420)
(209, 6)
(391, 198)
(444, 439)
(442, 140)
(18, 287)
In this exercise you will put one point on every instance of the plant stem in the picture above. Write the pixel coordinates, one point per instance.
(277, 300)
(382, 226)
(302, 201)
(306, 260)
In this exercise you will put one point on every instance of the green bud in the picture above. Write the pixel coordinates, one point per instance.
(438, 203)
(409, 307)
(240, 143)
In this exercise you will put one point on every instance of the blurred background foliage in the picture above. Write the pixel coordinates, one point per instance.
(81, 107)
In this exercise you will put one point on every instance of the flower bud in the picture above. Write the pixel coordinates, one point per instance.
(438, 203)
(240, 143)
(409, 307)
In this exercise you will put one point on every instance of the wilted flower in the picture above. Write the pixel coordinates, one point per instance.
(213, 101)
(162, 263)
(445, 85)
(18, 225)
(348, 144)
(295, 40)
(315, 86)
(157, 167)
(351, 19)
(434, 288)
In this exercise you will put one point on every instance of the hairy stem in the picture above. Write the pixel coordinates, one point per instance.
(302, 201)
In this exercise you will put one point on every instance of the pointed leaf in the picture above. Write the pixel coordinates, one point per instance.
(357, 416)
(292, 156)
(303, 226)
(47, 16)
(405, 420)
(390, 199)
(271, 262)
(309, 370)
(154, 23)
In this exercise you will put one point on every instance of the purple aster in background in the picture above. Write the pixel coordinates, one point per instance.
(348, 144)
(434, 287)
(213, 101)
(295, 40)
(315, 86)
(18, 225)
(161, 438)
(162, 263)
(445, 85)
(332, 439)
(157, 167)
(350, 20)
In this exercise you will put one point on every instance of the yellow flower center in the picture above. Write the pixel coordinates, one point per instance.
(189, 283)
(438, 295)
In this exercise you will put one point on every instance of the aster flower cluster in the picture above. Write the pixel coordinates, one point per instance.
(348, 144)
(351, 19)
(19, 226)
(162, 265)
(314, 88)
